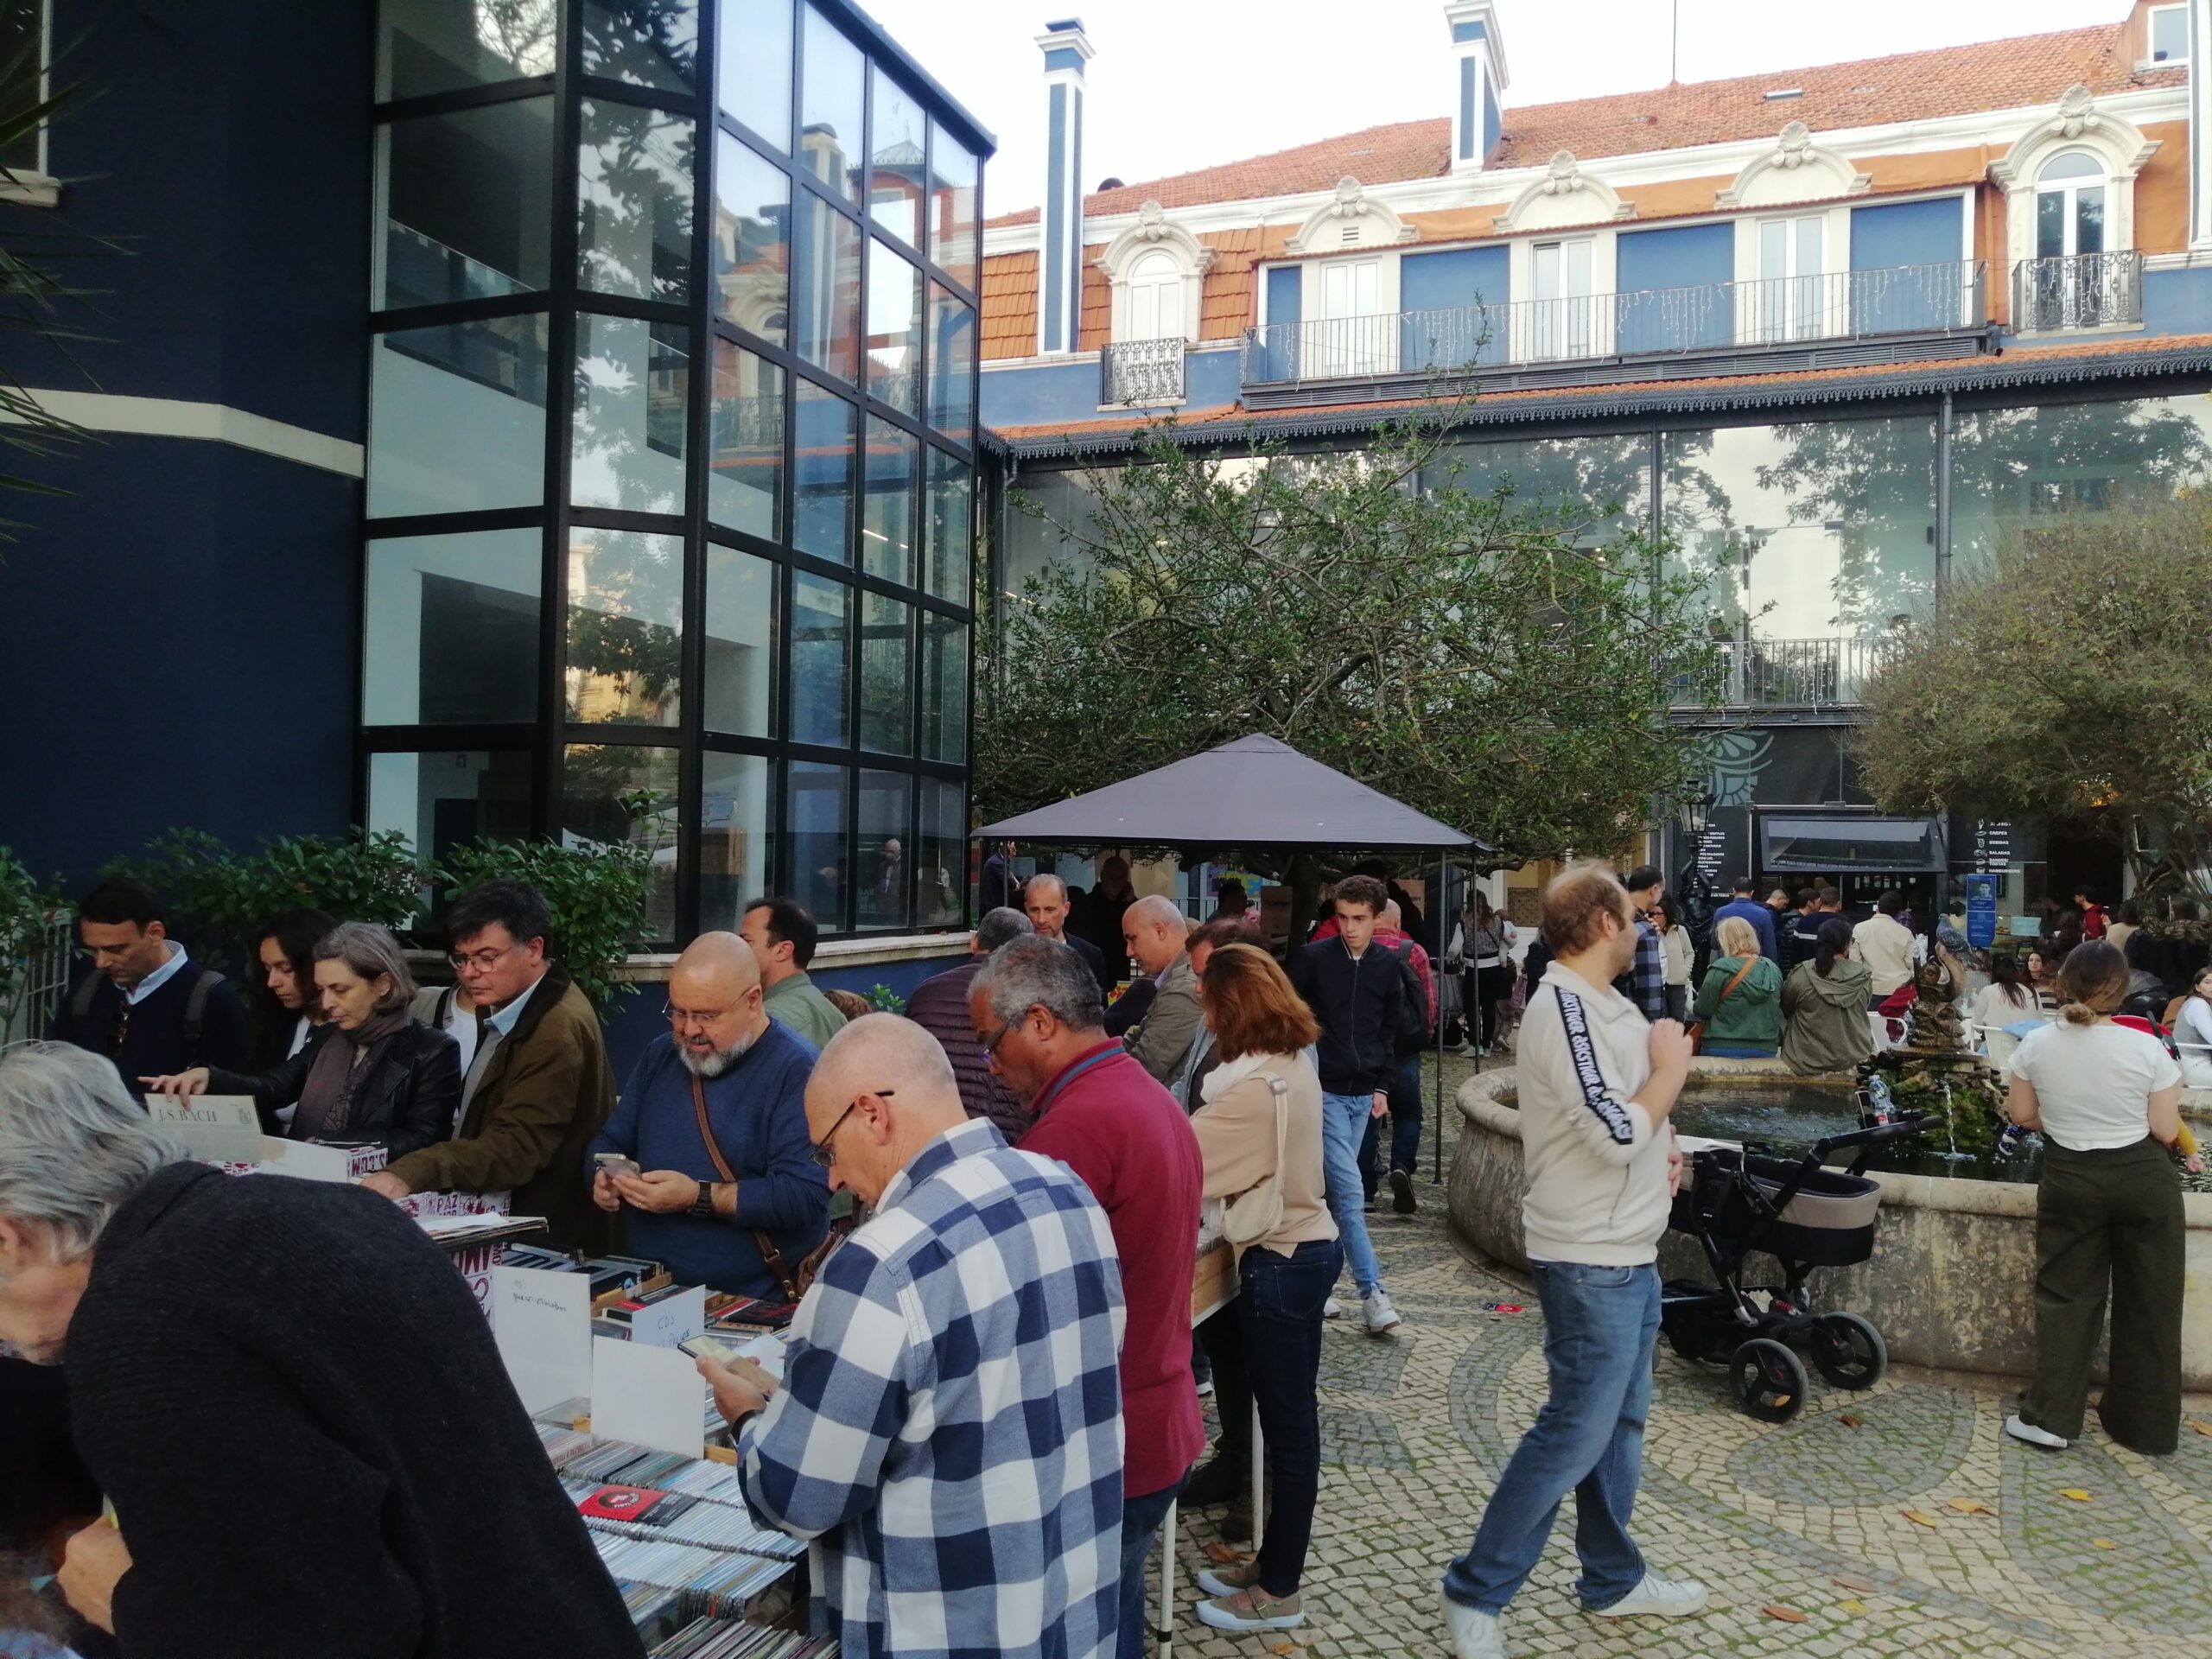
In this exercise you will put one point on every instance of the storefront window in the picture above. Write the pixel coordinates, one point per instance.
(821, 863)
(450, 629)
(741, 641)
(457, 417)
(885, 707)
(737, 851)
(945, 688)
(625, 627)
(466, 200)
(941, 860)
(633, 388)
(612, 794)
(1590, 489)
(440, 798)
(887, 865)
(634, 205)
(821, 623)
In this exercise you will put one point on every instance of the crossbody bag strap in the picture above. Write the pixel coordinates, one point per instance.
(1282, 1119)
(1749, 963)
(771, 1257)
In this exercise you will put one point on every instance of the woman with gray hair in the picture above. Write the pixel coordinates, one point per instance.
(374, 1073)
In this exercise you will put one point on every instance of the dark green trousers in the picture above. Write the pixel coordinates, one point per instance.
(2109, 1219)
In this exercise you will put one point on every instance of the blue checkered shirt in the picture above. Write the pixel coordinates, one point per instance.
(1645, 982)
(949, 1432)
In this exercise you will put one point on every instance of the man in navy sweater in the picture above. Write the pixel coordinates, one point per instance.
(1745, 904)
(144, 1003)
(681, 1207)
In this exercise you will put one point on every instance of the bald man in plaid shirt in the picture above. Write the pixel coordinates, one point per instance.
(948, 1435)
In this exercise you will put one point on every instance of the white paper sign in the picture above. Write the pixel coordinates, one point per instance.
(216, 1128)
(667, 1322)
(542, 1322)
(653, 1396)
(305, 1160)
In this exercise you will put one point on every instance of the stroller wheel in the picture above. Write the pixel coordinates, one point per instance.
(1769, 1379)
(1849, 1351)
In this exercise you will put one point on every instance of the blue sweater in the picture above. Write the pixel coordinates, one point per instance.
(758, 1109)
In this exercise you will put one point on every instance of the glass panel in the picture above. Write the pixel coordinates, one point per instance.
(1774, 247)
(830, 107)
(612, 794)
(829, 289)
(1592, 490)
(2071, 164)
(1809, 248)
(945, 688)
(953, 174)
(646, 42)
(440, 798)
(634, 208)
(751, 252)
(753, 81)
(745, 489)
(465, 200)
(886, 872)
(625, 627)
(895, 135)
(632, 393)
(2050, 223)
(741, 641)
(822, 617)
(435, 46)
(894, 324)
(457, 417)
(821, 499)
(737, 849)
(2169, 33)
(952, 364)
(815, 832)
(449, 629)
(1066, 513)
(941, 861)
(886, 703)
(2089, 219)
(950, 527)
(887, 514)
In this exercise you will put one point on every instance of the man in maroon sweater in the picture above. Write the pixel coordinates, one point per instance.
(1036, 1009)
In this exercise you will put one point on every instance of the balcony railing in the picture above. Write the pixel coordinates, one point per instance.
(1141, 373)
(2081, 291)
(1789, 674)
(1713, 318)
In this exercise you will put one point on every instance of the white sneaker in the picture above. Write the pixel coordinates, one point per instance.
(1473, 1635)
(2020, 1429)
(1381, 1316)
(1205, 1388)
(1656, 1597)
(1332, 1309)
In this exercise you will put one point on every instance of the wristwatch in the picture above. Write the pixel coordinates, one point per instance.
(703, 1205)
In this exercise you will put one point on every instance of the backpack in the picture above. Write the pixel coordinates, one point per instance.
(1411, 1034)
(195, 1004)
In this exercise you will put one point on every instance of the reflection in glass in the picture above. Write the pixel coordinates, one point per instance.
(952, 364)
(741, 641)
(822, 615)
(625, 627)
(634, 203)
(632, 391)
(646, 42)
(1068, 501)
(465, 200)
(612, 793)
(886, 869)
(886, 708)
(436, 45)
(828, 280)
(815, 832)
(736, 846)
(440, 798)
(751, 252)
(753, 80)
(953, 174)
(895, 138)
(1590, 490)
(457, 417)
(887, 506)
(830, 107)
(745, 448)
(950, 522)
(945, 688)
(941, 860)
(822, 496)
(449, 629)
(895, 322)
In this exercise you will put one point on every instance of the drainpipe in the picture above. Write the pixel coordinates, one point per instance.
(1943, 424)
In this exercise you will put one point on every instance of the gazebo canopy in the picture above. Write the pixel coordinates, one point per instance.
(1251, 791)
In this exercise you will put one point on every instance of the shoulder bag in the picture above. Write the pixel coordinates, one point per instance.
(1258, 1212)
(793, 1285)
(1697, 1027)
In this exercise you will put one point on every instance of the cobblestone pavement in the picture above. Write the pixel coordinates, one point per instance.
(1900, 1521)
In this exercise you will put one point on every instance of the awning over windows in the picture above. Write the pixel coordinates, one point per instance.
(1797, 841)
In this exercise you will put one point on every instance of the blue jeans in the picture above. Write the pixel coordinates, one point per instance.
(1344, 1120)
(1140, 1519)
(1405, 1128)
(1279, 1310)
(1588, 1439)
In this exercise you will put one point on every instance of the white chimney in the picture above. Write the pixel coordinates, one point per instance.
(1478, 82)
(1059, 256)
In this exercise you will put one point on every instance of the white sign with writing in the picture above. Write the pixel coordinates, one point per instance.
(215, 1129)
(542, 1322)
(653, 1396)
(667, 1322)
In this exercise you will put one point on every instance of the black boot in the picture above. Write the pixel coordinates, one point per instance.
(1219, 1480)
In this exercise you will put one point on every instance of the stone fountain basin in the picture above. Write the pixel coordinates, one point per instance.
(1950, 1286)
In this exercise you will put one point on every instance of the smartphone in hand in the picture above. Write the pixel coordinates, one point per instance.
(615, 1163)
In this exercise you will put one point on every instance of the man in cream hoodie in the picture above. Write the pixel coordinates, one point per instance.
(1596, 1084)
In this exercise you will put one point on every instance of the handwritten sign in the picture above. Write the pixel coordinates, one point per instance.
(215, 1129)
(667, 1322)
(541, 1323)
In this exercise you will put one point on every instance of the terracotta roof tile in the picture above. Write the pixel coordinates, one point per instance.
(1009, 324)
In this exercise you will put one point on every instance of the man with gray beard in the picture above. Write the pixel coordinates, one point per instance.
(740, 1212)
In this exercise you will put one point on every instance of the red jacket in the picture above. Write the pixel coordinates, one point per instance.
(1127, 1141)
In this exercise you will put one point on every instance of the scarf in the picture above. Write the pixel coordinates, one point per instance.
(340, 1066)
(1226, 1076)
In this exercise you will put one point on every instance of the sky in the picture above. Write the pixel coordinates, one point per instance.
(1182, 84)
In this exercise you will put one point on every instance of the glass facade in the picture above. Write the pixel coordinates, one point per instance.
(671, 480)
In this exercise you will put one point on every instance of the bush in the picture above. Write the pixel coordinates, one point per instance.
(27, 911)
(597, 898)
(884, 999)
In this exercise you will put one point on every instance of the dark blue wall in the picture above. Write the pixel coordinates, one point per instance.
(1907, 233)
(2178, 301)
(1038, 393)
(1469, 287)
(1651, 264)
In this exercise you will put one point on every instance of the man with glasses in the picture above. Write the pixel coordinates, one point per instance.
(947, 1436)
(144, 1003)
(539, 1088)
(714, 1119)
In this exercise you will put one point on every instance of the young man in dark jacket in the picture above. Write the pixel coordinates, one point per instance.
(1356, 991)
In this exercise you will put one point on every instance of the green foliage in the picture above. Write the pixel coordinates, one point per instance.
(884, 999)
(1964, 1105)
(27, 911)
(596, 894)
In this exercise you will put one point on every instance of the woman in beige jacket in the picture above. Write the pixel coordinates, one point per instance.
(1261, 1030)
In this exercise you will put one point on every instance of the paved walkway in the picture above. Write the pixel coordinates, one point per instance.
(1817, 1517)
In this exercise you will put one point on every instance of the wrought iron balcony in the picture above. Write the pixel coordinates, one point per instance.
(1789, 674)
(1646, 331)
(1142, 373)
(2081, 291)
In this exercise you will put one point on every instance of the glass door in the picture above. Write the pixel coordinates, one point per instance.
(1564, 317)
(1790, 304)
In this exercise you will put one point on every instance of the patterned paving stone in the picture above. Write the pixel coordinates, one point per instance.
(2118, 1555)
(1351, 1359)
(1369, 1438)
(1882, 1449)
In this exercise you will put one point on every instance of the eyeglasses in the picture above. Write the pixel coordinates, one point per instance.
(704, 1019)
(482, 961)
(824, 1155)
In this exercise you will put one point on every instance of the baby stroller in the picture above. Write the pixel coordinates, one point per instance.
(1735, 1202)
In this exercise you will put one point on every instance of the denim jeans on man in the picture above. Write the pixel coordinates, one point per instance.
(1404, 1126)
(1279, 1307)
(1140, 1519)
(1588, 1439)
(1344, 1121)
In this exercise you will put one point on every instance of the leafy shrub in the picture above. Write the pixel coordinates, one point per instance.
(884, 999)
(597, 898)
(27, 911)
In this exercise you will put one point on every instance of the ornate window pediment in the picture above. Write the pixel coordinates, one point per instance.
(2078, 123)
(1565, 196)
(1797, 168)
(1168, 264)
(1354, 219)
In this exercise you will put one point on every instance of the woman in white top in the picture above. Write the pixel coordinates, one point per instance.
(2107, 1100)
(1677, 954)
(2193, 1032)
(1484, 943)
